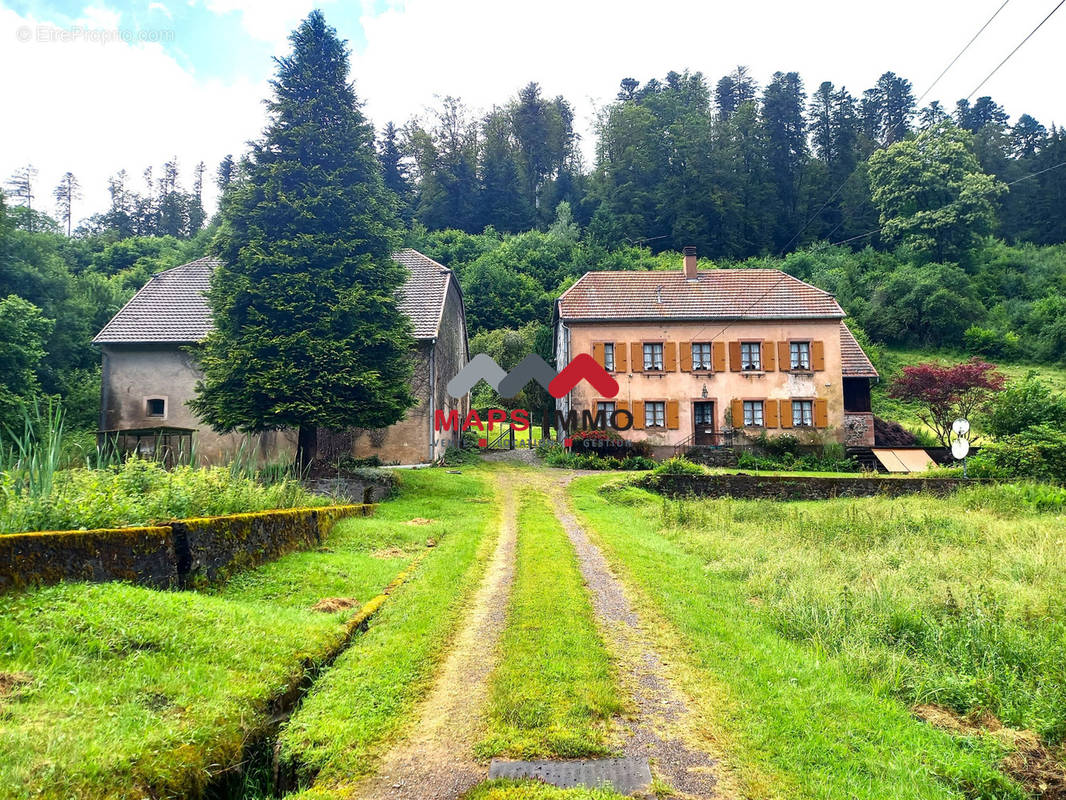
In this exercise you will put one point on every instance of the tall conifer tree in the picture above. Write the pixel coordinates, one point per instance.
(308, 332)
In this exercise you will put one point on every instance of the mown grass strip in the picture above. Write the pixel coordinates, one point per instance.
(132, 690)
(785, 710)
(554, 690)
(347, 719)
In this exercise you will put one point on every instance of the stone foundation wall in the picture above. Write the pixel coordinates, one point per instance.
(192, 552)
(784, 487)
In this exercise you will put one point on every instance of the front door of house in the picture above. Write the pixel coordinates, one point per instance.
(703, 422)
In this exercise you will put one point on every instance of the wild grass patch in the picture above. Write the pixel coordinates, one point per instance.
(815, 620)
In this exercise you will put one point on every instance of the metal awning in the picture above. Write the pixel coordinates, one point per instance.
(903, 459)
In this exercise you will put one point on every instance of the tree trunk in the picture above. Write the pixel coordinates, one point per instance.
(306, 446)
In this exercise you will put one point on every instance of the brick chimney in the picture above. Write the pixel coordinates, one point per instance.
(690, 263)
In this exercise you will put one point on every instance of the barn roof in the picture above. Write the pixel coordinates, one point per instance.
(854, 361)
(172, 306)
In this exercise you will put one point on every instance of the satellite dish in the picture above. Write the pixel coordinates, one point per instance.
(961, 427)
(959, 448)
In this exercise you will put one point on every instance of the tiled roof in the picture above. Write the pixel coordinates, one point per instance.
(715, 294)
(172, 307)
(855, 363)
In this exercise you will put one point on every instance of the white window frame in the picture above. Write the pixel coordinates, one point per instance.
(608, 356)
(654, 413)
(653, 356)
(754, 414)
(751, 356)
(799, 356)
(706, 357)
(802, 413)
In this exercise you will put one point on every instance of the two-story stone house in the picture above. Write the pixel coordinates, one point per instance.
(701, 353)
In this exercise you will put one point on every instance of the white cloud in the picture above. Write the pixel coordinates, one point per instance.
(95, 108)
(266, 20)
(160, 8)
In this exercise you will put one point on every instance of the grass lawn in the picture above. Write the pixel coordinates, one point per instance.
(122, 691)
(816, 625)
(371, 690)
(554, 690)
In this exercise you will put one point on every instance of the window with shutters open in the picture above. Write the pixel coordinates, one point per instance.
(753, 413)
(653, 356)
(751, 356)
(608, 356)
(800, 355)
(654, 414)
(701, 356)
(802, 413)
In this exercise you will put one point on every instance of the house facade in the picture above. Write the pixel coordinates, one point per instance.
(719, 356)
(150, 370)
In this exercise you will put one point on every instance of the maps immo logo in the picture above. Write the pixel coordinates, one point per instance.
(483, 367)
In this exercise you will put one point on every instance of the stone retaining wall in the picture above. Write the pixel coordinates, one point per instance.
(787, 487)
(185, 553)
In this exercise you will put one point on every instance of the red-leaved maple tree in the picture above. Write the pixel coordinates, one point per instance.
(948, 392)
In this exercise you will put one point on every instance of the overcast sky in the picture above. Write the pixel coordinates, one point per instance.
(146, 80)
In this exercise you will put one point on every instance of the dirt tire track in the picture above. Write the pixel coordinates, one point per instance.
(435, 761)
(661, 725)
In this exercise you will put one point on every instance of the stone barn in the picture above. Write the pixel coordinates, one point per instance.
(150, 371)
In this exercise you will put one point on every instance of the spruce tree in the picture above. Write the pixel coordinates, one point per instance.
(308, 332)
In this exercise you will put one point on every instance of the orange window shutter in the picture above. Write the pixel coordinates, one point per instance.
(734, 356)
(670, 356)
(817, 356)
(718, 356)
(769, 364)
(673, 409)
(821, 413)
(638, 414)
(686, 356)
(784, 356)
(786, 413)
(621, 405)
(771, 419)
(736, 410)
(637, 360)
(621, 360)
(597, 353)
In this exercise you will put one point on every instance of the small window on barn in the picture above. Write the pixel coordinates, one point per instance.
(156, 407)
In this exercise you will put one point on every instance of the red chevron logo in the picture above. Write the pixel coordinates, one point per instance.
(583, 368)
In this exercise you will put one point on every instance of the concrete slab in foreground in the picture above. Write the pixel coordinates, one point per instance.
(624, 775)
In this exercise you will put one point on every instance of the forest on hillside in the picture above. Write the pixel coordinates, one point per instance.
(933, 227)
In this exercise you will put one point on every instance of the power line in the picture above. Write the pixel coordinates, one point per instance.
(1016, 49)
(963, 50)
(943, 72)
(875, 231)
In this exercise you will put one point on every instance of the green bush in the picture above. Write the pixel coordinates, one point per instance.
(679, 466)
(1025, 404)
(141, 492)
(1037, 453)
